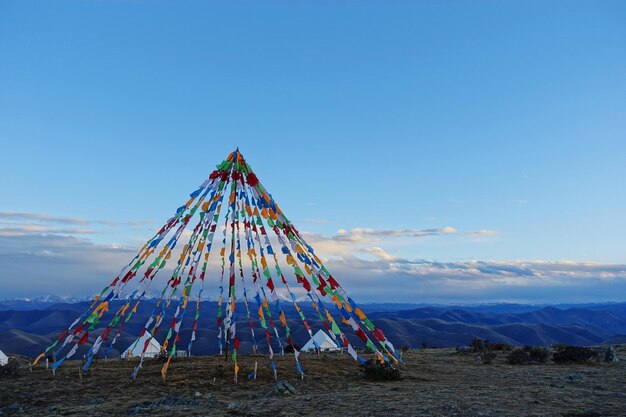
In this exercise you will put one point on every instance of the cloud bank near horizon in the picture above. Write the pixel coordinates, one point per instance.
(42, 255)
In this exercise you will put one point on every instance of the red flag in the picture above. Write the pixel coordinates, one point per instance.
(84, 338)
(105, 333)
(253, 181)
(128, 275)
(331, 281)
(361, 335)
(79, 329)
(378, 334)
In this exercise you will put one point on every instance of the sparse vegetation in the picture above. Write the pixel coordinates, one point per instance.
(487, 358)
(161, 357)
(528, 354)
(380, 371)
(481, 345)
(505, 347)
(15, 366)
(462, 350)
(518, 357)
(538, 353)
(477, 344)
(200, 385)
(572, 354)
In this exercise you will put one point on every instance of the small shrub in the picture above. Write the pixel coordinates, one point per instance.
(480, 345)
(462, 350)
(14, 367)
(518, 357)
(528, 354)
(537, 353)
(498, 347)
(376, 371)
(487, 358)
(161, 357)
(477, 344)
(8, 369)
(572, 354)
(424, 345)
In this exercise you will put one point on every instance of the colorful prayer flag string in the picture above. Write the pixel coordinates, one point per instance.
(252, 215)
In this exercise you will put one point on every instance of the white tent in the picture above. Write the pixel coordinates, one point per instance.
(3, 359)
(324, 342)
(135, 349)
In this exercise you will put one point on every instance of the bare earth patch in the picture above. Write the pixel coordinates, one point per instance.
(435, 382)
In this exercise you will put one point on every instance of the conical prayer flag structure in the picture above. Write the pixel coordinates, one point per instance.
(241, 239)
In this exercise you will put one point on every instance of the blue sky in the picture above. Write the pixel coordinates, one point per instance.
(499, 124)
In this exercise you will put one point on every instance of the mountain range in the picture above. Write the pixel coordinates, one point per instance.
(28, 326)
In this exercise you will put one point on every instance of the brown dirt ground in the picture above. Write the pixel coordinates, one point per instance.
(435, 382)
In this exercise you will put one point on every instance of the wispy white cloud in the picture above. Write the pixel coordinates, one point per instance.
(29, 229)
(399, 279)
(359, 258)
(351, 242)
(46, 218)
(363, 235)
(14, 224)
(380, 253)
(482, 232)
(59, 259)
(9, 215)
(62, 264)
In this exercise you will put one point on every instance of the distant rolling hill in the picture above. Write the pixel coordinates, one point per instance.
(28, 331)
(543, 326)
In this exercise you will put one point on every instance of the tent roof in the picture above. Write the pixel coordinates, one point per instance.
(323, 341)
(3, 358)
(138, 346)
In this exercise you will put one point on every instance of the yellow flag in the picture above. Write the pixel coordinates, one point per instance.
(39, 358)
(164, 370)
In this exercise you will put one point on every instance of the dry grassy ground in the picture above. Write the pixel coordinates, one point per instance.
(435, 383)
